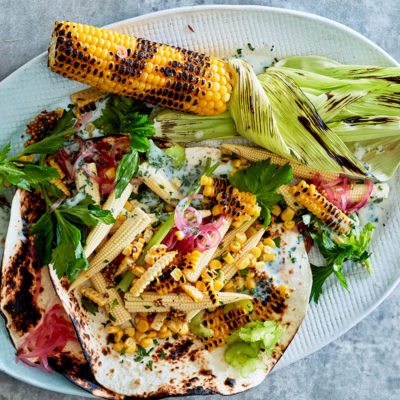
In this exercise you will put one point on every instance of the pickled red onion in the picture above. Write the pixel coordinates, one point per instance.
(48, 339)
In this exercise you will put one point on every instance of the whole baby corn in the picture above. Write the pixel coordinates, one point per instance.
(156, 73)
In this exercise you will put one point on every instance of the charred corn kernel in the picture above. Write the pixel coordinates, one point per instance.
(289, 224)
(118, 347)
(61, 185)
(52, 163)
(155, 253)
(137, 248)
(210, 82)
(269, 242)
(200, 286)
(121, 217)
(241, 237)
(130, 331)
(269, 257)
(165, 334)
(287, 214)
(218, 284)
(138, 271)
(152, 334)
(228, 258)
(216, 210)
(177, 274)
(184, 329)
(130, 345)
(308, 196)
(213, 186)
(118, 335)
(85, 100)
(259, 265)
(243, 262)
(194, 293)
(146, 342)
(235, 246)
(179, 235)
(215, 264)
(127, 250)
(139, 336)
(276, 210)
(93, 295)
(256, 252)
(190, 260)
(236, 163)
(142, 326)
(111, 329)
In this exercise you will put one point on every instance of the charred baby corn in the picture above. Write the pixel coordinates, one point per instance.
(156, 73)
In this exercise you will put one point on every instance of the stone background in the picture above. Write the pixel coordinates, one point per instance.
(365, 362)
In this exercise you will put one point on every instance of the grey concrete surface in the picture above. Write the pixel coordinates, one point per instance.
(364, 363)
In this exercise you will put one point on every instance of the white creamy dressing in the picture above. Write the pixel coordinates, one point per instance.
(374, 212)
(257, 58)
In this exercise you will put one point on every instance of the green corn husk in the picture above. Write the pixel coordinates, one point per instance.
(183, 127)
(273, 112)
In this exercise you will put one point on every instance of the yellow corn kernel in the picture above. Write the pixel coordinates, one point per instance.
(269, 242)
(110, 173)
(243, 262)
(138, 271)
(287, 214)
(239, 281)
(129, 345)
(128, 206)
(251, 231)
(169, 208)
(27, 158)
(142, 325)
(179, 235)
(215, 264)
(146, 342)
(173, 326)
(184, 329)
(250, 283)
(111, 329)
(256, 252)
(121, 217)
(241, 237)
(152, 334)
(236, 163)
(200, 286)
(165, 334)
(218, 285)
(289, 224)
(139, 336)
(216, 210)
(127, 251)
(269, 256)
(130, 331)
(118, 335)
(226, 151)
(228, 258)
(276, 210)
(229, 286)
(235, 246)
(118, 347)
(177, 274)
(194, 293)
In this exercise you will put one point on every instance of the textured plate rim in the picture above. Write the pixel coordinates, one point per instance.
(190, 10)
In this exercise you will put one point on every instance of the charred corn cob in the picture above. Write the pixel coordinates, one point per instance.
(258, 154)
(86, 184)
(94, 295)
(151, 273)
(132, 252)
(273, 302)
(168, 76)
(193, 274)
(84, 100)
(59, 182)
(152, 302)
(133, 226)
(100, 231)
(190, 261)
(156, 180)
(166, 283)
(207, 278)
(308, 196)
(155, 253)
(213, 186)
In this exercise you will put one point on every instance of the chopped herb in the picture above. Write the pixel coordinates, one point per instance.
(155, 342)
(89, 305)
(250, 46)
(114, 304)
(162, 186)
(162, 354)
(277, 242)
(106, 261)
(149, 365)
(147, 307)
(175, 336)
(244, 272)
(122, 351)
(105, 323)
(111, 317)
(121, 362)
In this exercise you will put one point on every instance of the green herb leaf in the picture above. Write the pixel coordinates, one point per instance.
(44, 235)
(127, 169)
(162, 354)
(263, 179)
(149, 365)
(89, 305)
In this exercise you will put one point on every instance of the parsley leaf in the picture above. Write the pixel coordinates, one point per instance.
(263, 179)
(149, 365)
(89, 305)
(44, 235)
(162, 354)
(353, 248)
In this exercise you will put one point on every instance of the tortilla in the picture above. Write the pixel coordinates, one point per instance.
(23, 310)
(186, 367)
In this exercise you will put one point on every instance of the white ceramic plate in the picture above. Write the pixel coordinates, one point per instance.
(219, 31)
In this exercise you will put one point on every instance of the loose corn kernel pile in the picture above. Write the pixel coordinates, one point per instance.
(123, 339)
(42, 124)
(308, 196)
